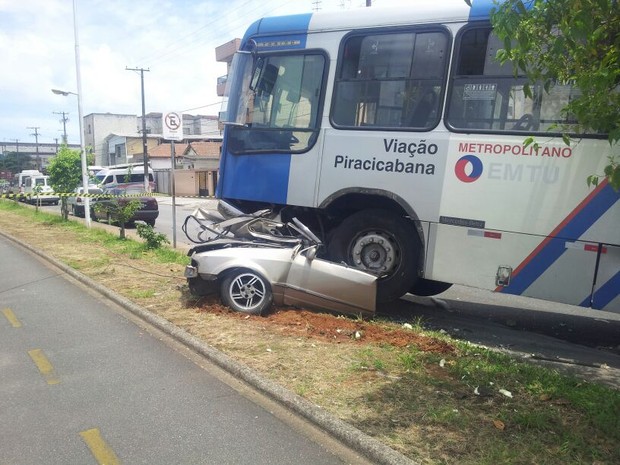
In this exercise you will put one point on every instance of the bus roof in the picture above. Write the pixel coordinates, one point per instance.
(295, 27)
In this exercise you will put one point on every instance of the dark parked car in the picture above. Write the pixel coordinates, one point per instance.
(75, 203)
(107, 208)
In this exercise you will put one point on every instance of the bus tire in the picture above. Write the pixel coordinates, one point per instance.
(382, 243)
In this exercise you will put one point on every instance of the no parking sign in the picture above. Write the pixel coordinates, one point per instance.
(173, 126)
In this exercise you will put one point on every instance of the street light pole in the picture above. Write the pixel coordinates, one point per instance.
(79, 102)
(79, 99)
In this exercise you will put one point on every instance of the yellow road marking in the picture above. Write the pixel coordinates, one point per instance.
(99, 448)
(44, 366)
(8, 313)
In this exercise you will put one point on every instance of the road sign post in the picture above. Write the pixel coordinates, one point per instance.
(173, 131)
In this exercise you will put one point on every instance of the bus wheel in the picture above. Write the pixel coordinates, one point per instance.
(381, 243)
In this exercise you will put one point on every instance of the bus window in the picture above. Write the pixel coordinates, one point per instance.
(283, 109)
(391, 80)
(486, 96)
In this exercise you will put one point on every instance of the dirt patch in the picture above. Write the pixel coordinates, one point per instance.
(337, 329)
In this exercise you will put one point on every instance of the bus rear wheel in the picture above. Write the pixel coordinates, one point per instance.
(382, 243)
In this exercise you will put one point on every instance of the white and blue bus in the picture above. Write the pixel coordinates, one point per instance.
(397, 136)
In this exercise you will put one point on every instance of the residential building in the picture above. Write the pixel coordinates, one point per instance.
(99, 126)
(204, 159)
(224, 54)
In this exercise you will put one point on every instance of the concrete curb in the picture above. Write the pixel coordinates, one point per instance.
(347, 434)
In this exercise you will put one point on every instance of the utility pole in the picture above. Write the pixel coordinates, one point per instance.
(63, 120)
(36, 141)
(144, 147)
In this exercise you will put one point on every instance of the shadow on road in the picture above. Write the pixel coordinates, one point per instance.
(585, 345)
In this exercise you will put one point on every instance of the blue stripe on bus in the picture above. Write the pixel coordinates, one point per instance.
(581, 219)
(259, 177)
(294, 28)
(605, 294)
(481, 9)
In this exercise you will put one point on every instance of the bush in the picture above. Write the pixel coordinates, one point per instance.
(153, 240)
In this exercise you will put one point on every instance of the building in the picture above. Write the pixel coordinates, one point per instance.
(160, 157)
(99, 126)
(40, 153)
(224, 54)
(204, 159)
(127, 148)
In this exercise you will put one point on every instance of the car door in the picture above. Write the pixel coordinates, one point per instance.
(331, 286)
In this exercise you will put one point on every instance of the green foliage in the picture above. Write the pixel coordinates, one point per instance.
(36, 190)
(153, 240)
(574, 41)
(15, 162)
(118, 210)
(65, 171)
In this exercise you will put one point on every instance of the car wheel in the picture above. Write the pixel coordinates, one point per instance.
(151, 223)
(246, 291)
(382, 243)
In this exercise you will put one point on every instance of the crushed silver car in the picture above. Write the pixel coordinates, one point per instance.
(254, 261)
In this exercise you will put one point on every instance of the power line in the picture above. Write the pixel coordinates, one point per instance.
(63, 120)
(239, 15)
(144, 146)
(36, 139)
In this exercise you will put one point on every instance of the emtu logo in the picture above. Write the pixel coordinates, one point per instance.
(468, 168)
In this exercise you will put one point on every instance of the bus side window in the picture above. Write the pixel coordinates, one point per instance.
(391, 80)
(486, 95)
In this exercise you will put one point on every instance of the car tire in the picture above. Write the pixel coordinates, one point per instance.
(246, 291)
(151, 223)
(382, 243)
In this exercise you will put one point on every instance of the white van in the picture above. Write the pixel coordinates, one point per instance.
(124, 176)
(19, 180)
(39, 190)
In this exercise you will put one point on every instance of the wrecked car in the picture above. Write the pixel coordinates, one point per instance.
(253, 261)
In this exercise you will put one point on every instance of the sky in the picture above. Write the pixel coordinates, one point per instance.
(174, 39)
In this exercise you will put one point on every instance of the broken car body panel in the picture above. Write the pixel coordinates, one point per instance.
(290, 265)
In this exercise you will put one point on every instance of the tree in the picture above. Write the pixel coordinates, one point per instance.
(576, 41)
(15, 162)
(65, 171)
(119, 209)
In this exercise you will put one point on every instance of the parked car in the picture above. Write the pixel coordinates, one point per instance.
(75, 203)
(107, 206)
(38, 190)
(253, 261)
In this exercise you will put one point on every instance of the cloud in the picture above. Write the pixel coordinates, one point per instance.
(174, 39)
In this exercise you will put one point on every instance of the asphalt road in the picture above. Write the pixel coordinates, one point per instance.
(83, 381)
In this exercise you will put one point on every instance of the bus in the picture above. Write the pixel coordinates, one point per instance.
(400, 140)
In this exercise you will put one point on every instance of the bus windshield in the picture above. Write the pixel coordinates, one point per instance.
(276, 103)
